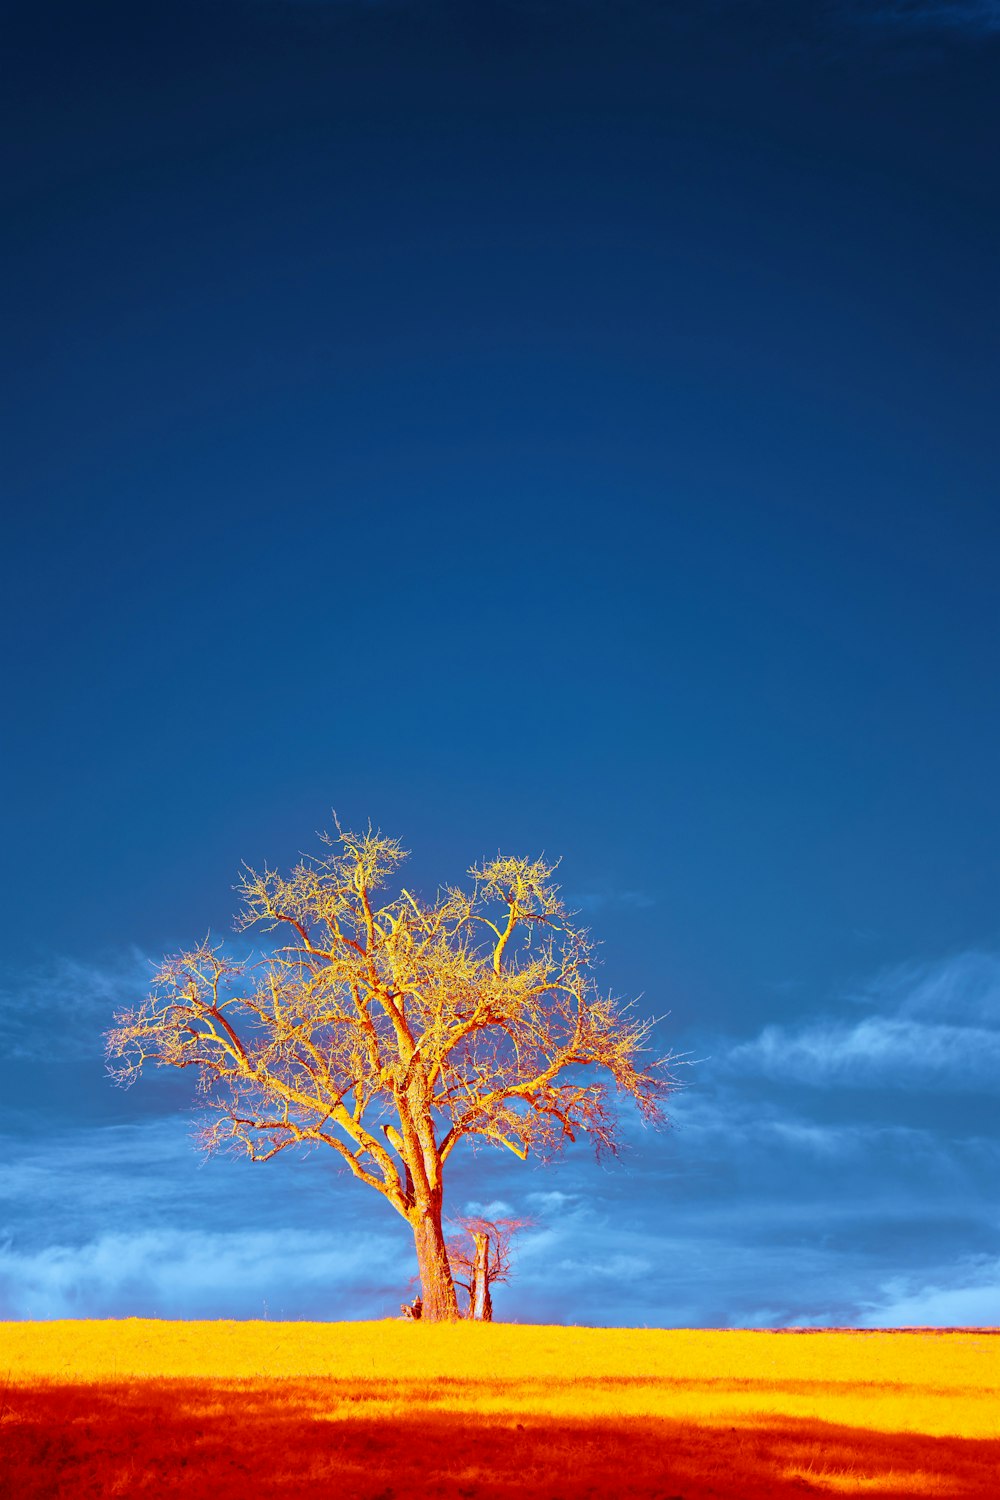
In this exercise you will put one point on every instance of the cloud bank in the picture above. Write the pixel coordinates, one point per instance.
(933, 1027)
(186, 1273)
(971, 1300)
(783, 1195)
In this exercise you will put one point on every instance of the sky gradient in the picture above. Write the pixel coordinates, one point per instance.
(562, 428)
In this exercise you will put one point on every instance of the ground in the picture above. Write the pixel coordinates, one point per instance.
(382, 1411)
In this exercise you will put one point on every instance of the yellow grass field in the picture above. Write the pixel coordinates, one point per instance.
(382, 1411)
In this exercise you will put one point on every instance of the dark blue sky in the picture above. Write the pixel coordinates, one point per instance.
(561, 426)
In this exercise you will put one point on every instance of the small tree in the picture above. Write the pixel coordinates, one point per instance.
(391, 1030)
(480, 1257)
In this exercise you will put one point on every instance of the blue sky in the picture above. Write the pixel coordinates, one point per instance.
(564, 428)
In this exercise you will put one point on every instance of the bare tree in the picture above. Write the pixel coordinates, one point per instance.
(480, 1257)
(392, 1029)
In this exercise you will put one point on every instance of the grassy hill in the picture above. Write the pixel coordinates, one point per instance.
(382, 1411)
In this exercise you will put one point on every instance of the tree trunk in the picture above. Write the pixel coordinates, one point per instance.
(481, 1307)
(436, 1285)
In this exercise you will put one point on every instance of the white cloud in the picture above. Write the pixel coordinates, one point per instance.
(552, 1201)
(889, 1051)
(723, 1128)
(186, 1273)
(973, 1302)
(757, 1208)
(939, 1027)
(497, 1208)
(962, 988)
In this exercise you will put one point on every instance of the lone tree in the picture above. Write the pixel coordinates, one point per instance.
(391, 1029)
(480, 1257)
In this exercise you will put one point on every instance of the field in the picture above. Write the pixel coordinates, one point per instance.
(383, 1411)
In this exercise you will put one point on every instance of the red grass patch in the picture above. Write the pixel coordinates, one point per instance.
(271, 1439)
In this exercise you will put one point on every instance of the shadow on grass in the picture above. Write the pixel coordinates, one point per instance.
(272, 1440)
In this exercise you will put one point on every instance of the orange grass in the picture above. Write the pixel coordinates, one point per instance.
(382, 1411)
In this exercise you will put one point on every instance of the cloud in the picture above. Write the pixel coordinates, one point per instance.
(964, 987)
(497, 1208)
(973, 1302)
(941, 1030)
(552, 1201)
(765, 1204)
(60, 1009)
(892, 1052)
(131, 1220)
(723, 1124)
(75, 1185)
(186, 1273)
